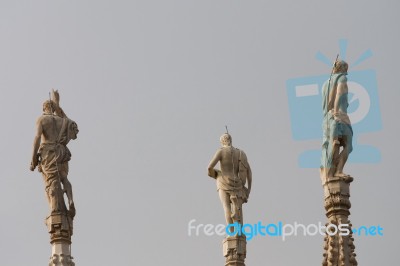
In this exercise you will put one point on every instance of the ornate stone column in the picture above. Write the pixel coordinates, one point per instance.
(234, 248)
(60, 227)
(339, 249)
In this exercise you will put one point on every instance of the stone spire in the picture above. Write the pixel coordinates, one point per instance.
(338, 250)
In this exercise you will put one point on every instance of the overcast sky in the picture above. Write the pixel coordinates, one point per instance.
(151, 85)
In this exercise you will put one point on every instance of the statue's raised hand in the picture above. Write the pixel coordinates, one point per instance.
(55, 96)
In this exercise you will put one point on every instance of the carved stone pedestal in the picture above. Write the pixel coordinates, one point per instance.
(60, 227)
(339, 250)
(234, 248)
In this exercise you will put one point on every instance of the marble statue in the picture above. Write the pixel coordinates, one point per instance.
(54, 130)
(51, 155)
(231, 179)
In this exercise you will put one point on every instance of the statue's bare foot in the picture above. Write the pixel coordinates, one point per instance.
(347, 178)
(341, 174)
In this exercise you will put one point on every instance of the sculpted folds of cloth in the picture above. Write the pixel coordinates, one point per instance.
(51, 154)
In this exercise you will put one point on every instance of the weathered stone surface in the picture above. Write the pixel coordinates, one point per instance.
(50, 154)
(337, 145)
(231, 180)
(337, 130)
(60, 227)
(61, 255)
(338, 250)
(234, 249)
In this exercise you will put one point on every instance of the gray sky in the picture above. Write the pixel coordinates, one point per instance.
(151, 85)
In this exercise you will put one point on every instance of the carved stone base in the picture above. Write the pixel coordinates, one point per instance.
(234, 248)
(339, 250)
(60, 227)
(61, 255)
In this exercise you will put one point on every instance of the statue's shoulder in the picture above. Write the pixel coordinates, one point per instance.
(42, 118)
(341, 78)
(239, 150)
(242, 156)
(69, 120)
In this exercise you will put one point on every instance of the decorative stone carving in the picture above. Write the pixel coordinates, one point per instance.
(61, 260)
(234, 250)
(338, 250)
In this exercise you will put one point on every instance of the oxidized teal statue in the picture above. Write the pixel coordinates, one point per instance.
(338, 133)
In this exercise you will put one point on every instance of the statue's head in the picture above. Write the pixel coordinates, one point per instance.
(49, 106)
(340, 67)
(226, 140)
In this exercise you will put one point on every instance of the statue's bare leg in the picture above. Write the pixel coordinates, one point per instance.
(335, 157)
(226, 203)
(344, 155)
(68, 190)
(63, 169)
(237, 210)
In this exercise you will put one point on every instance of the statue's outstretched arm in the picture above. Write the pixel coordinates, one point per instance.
(55, 96)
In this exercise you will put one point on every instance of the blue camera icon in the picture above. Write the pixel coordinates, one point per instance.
(305, 106)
